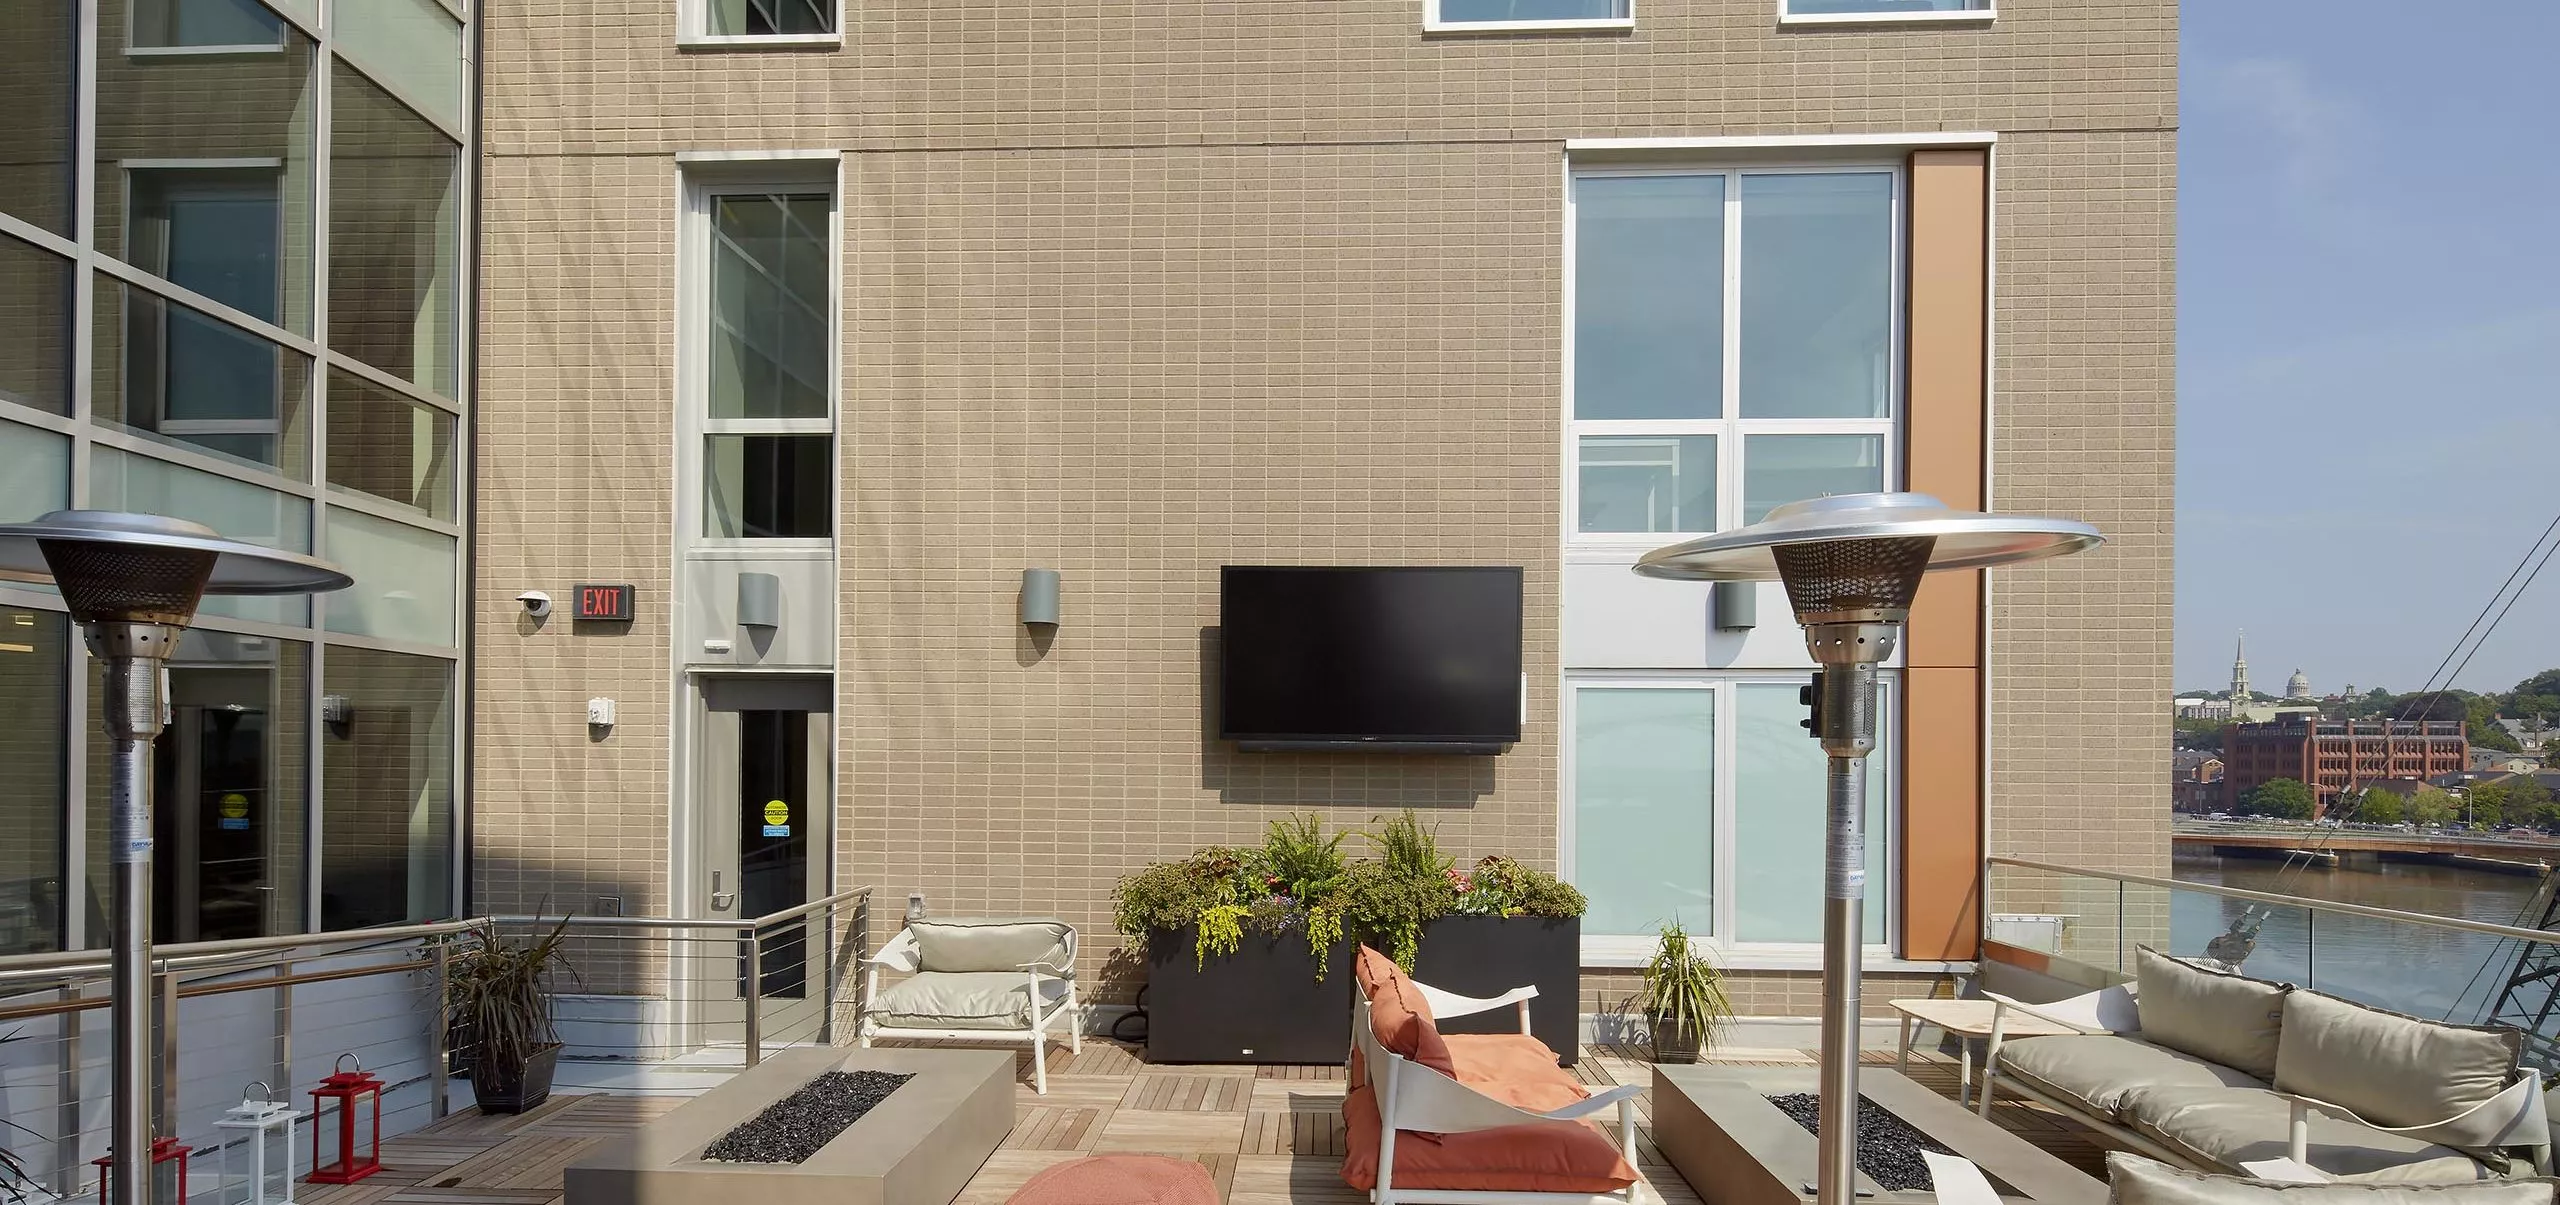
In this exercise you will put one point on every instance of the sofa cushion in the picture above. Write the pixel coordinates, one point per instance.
(2133, 1180)
(1514, 1068)
(999, 944)
(964, 1000)
(2230, 1019)
(2390, 1069)
(2097, 1070)
(1546, 1156)
(1399, 1016)
(2225, 1127)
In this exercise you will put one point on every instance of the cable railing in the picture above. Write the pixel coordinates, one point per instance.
(642, 1004)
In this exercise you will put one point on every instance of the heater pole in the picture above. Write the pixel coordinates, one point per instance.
(134, 653)
(1847, 729)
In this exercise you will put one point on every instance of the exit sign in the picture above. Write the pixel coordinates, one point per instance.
(604, 602)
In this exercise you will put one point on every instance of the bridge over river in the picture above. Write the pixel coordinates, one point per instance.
(2332, 846)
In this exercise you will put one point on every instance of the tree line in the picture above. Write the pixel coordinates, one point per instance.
(2521, 799)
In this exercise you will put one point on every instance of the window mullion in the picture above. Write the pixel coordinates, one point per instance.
(1729, 443)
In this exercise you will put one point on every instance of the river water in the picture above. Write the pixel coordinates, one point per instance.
(2422, 971)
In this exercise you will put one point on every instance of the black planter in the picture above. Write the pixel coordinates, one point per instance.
(1261, 1004)
(498, 1093)
(1490, 955)
(1672, 1041)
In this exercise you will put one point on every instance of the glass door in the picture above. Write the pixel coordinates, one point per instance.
(763, 796)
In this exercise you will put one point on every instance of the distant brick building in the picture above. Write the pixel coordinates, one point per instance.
(2195, 781)
(2330, 755)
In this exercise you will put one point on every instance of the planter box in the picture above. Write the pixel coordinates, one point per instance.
(494, 1094)
(1490, 955)
(1261, 1004)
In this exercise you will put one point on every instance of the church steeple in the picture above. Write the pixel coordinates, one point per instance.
(2240, 672)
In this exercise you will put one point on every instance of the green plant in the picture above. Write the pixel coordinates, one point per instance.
(1683, 987)
(499, 991)
(1410, 850)
(1500, 886)
(1171, 895)
(1387, 906)
(1221, 931)
(1298, 860)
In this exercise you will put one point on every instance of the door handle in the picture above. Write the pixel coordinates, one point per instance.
(721, 901)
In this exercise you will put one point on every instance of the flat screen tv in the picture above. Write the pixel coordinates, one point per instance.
(1384, 659)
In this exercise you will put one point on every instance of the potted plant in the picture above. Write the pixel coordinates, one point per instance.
(1246, 957)
(1508, 924)
(1683, 999)
(499, 992)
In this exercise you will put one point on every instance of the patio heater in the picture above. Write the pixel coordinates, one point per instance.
(1852, 564)
(133, 581)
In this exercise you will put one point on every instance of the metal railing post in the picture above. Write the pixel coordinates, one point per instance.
(283, 1073)
(2310, 963)
(826, 959)
(164, 1101)
(439, 1057)
(2120, 928)
(67, 1164)
(754, 992)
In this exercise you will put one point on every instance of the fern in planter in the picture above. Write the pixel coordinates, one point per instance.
(1683, 997)
(1293, 881)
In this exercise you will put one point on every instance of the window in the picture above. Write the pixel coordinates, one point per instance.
(767, 22)
(201, 25)
(188, 376)
(1495, 15)
(35, 728)
(386, 789)
(1734, 346)
(1885, 10)
(766, 331)
(1700, 800)
(395, 244)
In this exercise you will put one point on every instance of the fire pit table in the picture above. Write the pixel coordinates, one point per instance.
(781, 1124)
(1718, 1126)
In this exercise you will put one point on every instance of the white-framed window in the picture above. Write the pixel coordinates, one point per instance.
(758, 316)
(760, 23)
(1873, 12)
(1495, 16)
(1734, 342)
(195, 27)
(216, 227)
(1698, 798)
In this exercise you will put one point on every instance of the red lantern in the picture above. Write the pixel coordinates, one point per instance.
(347, 1088)
(163, 1150)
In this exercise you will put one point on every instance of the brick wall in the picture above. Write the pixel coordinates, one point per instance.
(1132, 293)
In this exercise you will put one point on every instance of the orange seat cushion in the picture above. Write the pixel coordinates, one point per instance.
(1120, 1180)
(1514, 1068)
(1398, 1015)
(1547, 1156)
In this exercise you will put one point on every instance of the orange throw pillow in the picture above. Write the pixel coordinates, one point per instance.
(1398, 1015)
(1547, 1156)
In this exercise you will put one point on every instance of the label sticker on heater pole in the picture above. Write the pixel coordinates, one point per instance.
(777, 818)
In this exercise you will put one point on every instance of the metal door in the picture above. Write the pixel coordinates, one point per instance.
(763, 798)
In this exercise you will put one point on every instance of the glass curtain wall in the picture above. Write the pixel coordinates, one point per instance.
(241, 300)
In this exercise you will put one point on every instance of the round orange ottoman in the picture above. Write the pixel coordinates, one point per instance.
(1120, 1180)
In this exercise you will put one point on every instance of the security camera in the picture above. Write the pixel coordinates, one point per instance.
(536, 603)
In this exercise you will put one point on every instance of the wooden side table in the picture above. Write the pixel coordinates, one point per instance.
(1969, 1021)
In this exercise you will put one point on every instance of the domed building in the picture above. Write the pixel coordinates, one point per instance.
(2297, 686)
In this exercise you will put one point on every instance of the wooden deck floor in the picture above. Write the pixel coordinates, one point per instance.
(1270, 1135)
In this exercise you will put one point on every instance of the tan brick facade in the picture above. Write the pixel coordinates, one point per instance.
(1134, 293)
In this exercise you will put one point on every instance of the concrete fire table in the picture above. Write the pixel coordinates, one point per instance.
(1717, 1126)
(918, 1146)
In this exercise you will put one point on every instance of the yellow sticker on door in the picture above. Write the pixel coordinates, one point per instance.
(234, 812)
(777, 818)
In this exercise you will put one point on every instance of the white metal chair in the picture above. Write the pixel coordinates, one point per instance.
(993, 980)
(1417, 1098)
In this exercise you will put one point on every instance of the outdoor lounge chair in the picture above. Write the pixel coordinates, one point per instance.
(998, 980)
(1504, 1125)
(2213, 1072)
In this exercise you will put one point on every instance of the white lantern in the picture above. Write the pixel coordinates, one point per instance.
(262, 1120)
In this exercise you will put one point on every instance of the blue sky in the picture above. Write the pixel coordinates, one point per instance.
(2369, 318)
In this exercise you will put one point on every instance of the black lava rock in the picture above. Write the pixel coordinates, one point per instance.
(793, 1128)
(1888, 1147)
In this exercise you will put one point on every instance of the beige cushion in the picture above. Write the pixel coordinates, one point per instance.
(2227, 1126)
(2134, 1180)
(990, 945)
(964, 1000)
(2099, 1069)
(2231, 1019)
(2392, 1070)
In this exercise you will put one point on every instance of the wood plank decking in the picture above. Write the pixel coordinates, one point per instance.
(1269, 1135)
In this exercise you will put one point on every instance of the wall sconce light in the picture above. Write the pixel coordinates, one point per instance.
(1736, 605)
(337, 714)
(759, 600)
(1040, 597)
